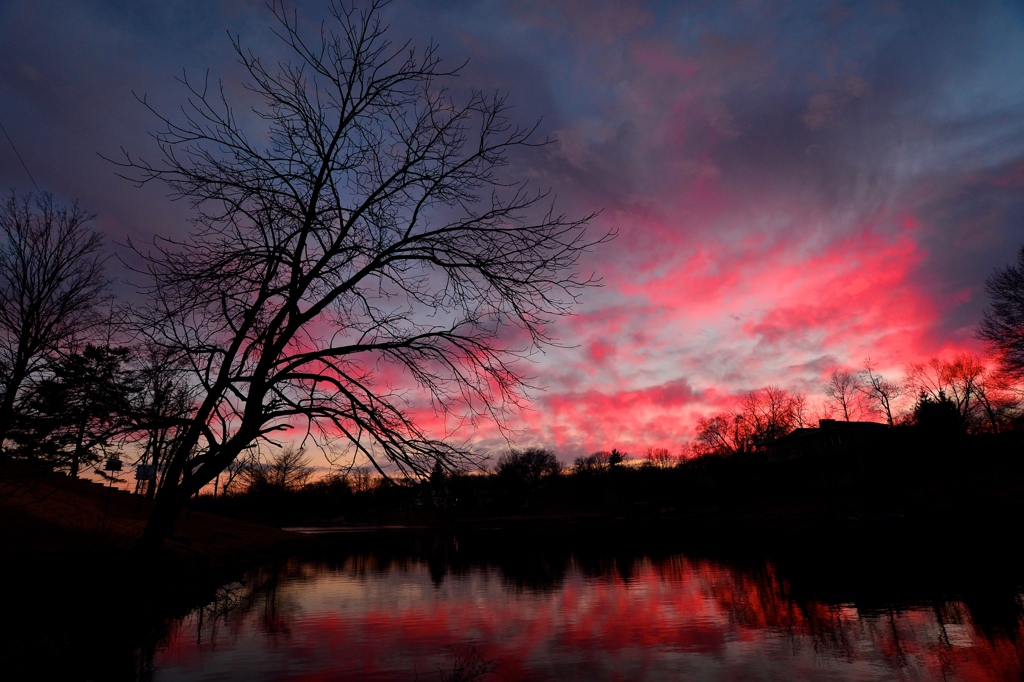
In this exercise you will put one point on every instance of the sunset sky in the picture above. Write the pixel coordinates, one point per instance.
(797, 186)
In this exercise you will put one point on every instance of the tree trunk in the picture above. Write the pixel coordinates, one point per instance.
(162, 521)
(169, 501)
(176, 490)
(14, 381)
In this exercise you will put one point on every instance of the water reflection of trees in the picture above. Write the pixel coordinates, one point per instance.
(929, 632)
(220, 622)
(940, 624)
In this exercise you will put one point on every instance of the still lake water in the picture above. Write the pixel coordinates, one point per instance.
(414, 608)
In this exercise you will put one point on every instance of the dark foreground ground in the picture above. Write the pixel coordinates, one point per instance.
(72, 588)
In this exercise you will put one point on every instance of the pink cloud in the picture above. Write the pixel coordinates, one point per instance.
(734, 313)
(599, 419)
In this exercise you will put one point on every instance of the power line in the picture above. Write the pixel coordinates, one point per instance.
(23, 164)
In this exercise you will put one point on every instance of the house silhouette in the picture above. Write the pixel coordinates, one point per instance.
(831, 437)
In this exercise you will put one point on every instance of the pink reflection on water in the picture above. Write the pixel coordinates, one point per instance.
(674, 619)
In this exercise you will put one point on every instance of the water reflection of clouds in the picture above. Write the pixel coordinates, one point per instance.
(676, 617)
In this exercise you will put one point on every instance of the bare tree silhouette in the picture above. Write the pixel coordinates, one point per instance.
(761, 415)
(528, 466)
(1002, 326)
(719, 434)
(768, 413)
(523, 471)
(363, 243)
(842, 391)
(660, 458)
(51, 277)
(881, 393)
(286, 469)
(983, 399)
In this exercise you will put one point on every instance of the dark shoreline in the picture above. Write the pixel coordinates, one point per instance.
(77, 589)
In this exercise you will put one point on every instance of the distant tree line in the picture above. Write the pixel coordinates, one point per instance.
(912, 469)
(974, 396)
(280, 489)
